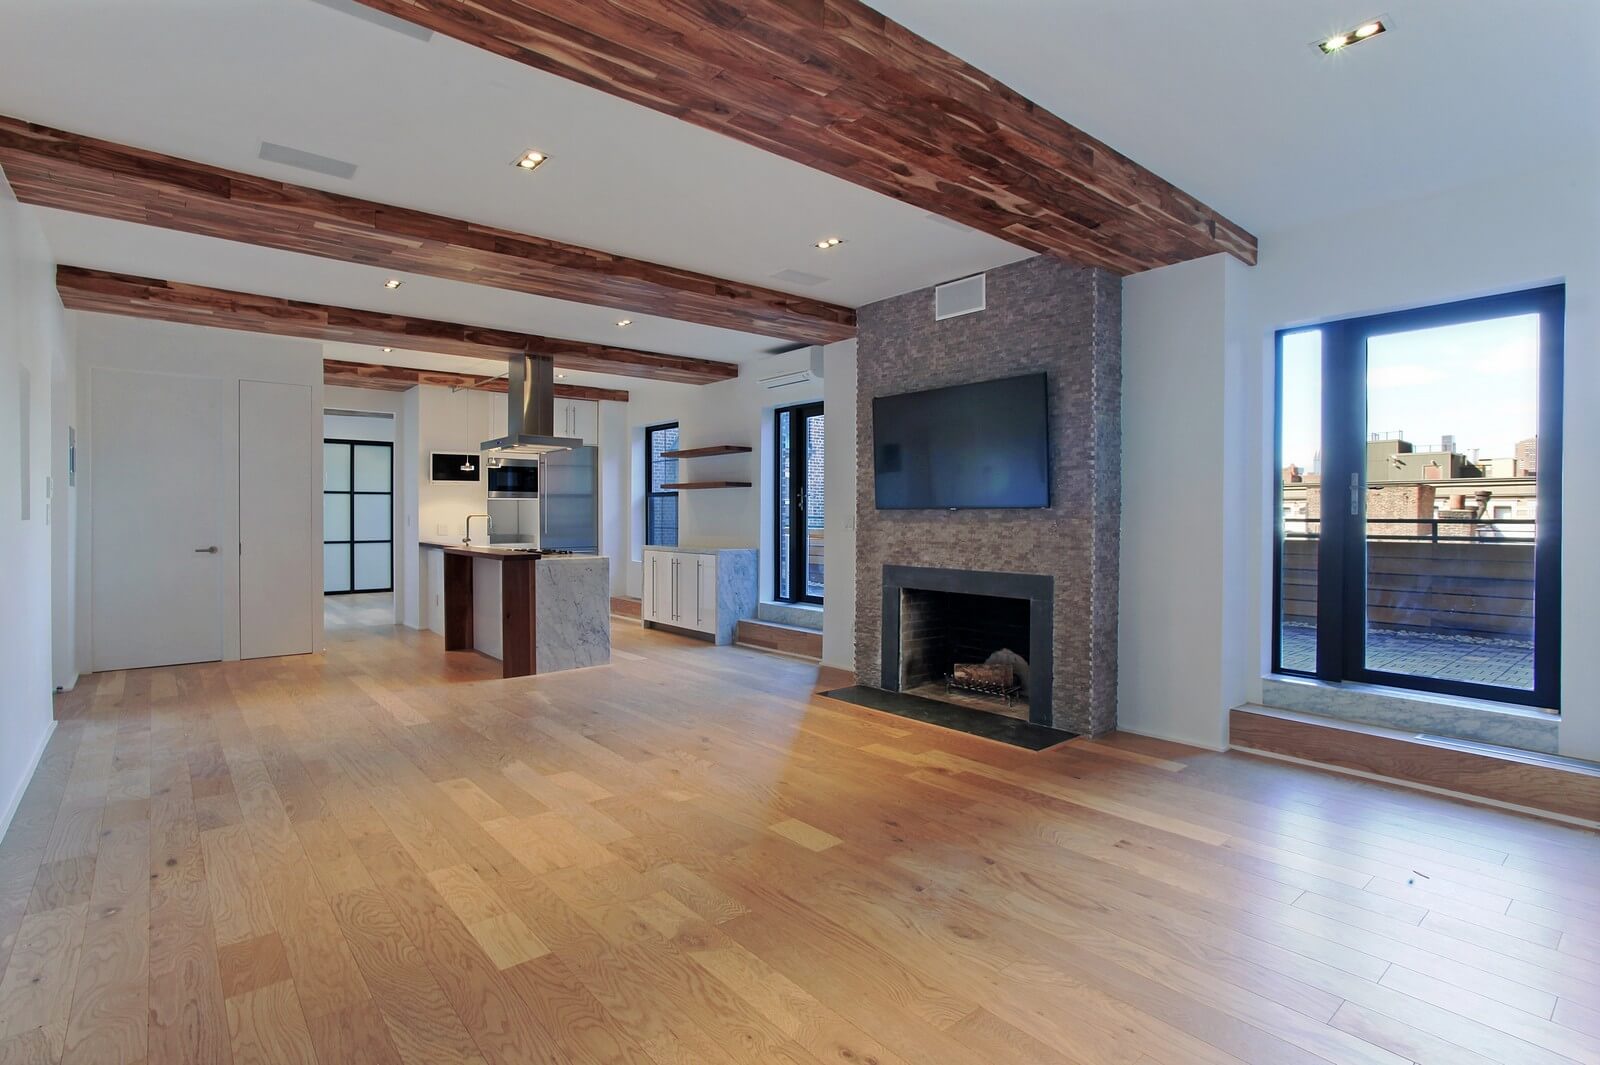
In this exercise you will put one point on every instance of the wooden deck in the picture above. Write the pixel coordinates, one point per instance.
(387, 854)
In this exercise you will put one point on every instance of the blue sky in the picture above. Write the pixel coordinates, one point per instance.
(1478, 381)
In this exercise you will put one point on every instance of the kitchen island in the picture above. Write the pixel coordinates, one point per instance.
(537, 613)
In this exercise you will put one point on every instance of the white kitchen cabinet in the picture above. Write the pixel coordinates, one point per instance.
(579, 418)
(680, 589)
(702, 591)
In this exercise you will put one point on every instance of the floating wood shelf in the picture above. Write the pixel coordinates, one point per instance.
(704, 452)
(684, 485)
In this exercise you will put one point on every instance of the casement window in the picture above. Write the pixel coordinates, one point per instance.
(660, 504)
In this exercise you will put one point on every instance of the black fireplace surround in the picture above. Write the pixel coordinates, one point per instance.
(1039, 591)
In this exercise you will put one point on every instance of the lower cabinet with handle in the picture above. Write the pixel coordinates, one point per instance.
(700, 591)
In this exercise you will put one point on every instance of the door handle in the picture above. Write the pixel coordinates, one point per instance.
(206, 550)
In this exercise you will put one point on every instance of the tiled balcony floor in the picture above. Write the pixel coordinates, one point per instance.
(1477, 659)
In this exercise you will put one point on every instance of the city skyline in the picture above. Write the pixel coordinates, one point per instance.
(1477, 381)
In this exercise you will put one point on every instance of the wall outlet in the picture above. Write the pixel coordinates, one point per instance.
(441, 529)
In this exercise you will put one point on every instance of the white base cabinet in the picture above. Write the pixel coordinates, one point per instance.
(701, 591)
(680, 589)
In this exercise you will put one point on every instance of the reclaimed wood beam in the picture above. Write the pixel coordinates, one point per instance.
(53, 168)
(400, 378)
(172, 301)
(839, 87)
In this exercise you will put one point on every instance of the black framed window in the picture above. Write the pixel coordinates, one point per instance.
(660, 504)
(799, 514)
(1419, 499)
(357, 516)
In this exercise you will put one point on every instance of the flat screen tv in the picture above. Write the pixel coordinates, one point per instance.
(968, 447)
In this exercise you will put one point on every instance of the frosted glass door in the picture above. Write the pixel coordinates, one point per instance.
(357, 516)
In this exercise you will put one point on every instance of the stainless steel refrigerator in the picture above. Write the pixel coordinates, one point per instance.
(569, 500)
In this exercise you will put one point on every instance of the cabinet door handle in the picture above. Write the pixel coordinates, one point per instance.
(697, 564)
(655, 592)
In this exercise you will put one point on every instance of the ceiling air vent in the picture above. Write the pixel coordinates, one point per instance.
(955, 298)
(317, 164)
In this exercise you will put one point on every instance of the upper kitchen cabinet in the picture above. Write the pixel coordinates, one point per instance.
(579, 418)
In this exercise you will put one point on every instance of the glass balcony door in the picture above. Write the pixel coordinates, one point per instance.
(1419, 499)
(799, 504)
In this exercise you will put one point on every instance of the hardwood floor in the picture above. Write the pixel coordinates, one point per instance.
(387, 854)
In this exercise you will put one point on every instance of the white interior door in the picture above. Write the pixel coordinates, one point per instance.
(158, 462)
(278, 438)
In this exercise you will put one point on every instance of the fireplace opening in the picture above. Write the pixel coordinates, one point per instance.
(967, 649)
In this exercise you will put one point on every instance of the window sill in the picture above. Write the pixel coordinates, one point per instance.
(1480, 720)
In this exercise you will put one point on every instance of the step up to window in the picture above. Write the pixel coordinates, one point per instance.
(786, 639)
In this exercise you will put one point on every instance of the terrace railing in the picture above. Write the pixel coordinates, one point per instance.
(1455, 576)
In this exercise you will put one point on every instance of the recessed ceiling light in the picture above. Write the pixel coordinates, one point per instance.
(1338, 42)
(624, 322)
(828, 243)
(530, 160)
(393, 282)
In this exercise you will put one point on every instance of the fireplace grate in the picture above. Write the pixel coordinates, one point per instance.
(1008, 692)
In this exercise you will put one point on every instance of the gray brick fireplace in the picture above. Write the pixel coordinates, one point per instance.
(1042, 315)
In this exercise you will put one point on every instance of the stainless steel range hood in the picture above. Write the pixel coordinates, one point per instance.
(531, 411)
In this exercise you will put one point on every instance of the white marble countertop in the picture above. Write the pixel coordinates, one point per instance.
(698, 550)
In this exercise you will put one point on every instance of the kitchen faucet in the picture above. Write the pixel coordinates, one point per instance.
(467, 539)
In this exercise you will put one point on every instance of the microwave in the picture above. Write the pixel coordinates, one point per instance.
(513, 478)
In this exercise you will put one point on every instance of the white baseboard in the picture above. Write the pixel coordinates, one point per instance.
(15, 800)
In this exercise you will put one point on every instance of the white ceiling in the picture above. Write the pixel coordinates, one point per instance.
(1227, 99)
(435, 125)
(106, 244)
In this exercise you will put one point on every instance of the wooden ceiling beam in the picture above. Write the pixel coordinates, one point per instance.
(171, 301)
(400, 378)
(53, 168)
(841, 88)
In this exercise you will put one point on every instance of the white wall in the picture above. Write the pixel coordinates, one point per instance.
(1503, 236)
(357, 427)
(106, 341)
(729, 412)
(34, 343)
(1176, 530)
(740, 412)
(839, 484)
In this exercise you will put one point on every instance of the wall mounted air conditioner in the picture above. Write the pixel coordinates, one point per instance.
(784, 380)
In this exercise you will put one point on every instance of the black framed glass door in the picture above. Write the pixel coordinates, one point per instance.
(799, 510)
(357, 516)
(1419, 490)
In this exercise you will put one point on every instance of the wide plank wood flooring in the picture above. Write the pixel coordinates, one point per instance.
(389, 855)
